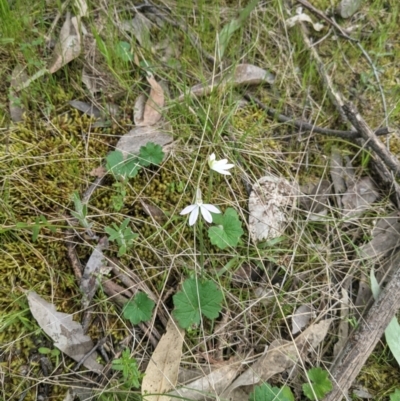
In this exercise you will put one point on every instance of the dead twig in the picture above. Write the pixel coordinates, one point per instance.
(73, 257)
(345, 35)
(303, 125)
(371, 140)
(335, 97)
(363, 341)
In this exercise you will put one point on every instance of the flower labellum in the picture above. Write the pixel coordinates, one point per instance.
(220, 166)
(204, 208)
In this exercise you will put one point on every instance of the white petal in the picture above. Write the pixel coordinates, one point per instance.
(221, 166)
(194, 215)
(188, 209)
(211, 157)
(224, 166)
(211, 208)
(221, 162)
(221, 171)
(206, 214)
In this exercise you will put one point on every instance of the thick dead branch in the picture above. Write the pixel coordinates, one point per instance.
(371, 140)
(305, 126)
(344, 34)
(363, 341)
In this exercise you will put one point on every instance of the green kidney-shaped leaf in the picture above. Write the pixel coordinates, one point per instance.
(197, 297)
(151, 154)
(266, 392)
(139, 309)
(320, 383)
(395, 396)
(123, 51)
(121, 168)
(227, 230)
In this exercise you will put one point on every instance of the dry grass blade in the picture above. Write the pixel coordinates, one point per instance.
(82, 7)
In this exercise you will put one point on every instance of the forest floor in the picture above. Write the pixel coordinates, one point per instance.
(111, 115)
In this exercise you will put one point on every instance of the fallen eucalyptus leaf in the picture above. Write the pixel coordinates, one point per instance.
(68, 47)
(316, 201)
(89, 81)
(90, 278)
(385, 238)
(85, 107)
(242, 74)
(359, 197)
(268, 203)
(102, 115)
(186, 376)
(139, 27)
(281, 355)
(162, 371)
(131, 142)
(149, 113)
(301, 317)
(153, 211)
(212, 384)
(67, 334)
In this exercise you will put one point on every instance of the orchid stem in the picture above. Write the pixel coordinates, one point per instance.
(210, 184)
(201, 240)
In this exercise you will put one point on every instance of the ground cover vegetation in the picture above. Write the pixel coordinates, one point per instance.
(193, 201)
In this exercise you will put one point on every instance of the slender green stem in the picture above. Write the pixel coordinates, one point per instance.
(201, 240)
(210, 185)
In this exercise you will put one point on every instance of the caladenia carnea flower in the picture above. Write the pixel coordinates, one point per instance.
(199, 206)
(220, 166)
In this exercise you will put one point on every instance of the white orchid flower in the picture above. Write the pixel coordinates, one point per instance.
(220, 166)
(204, 208)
